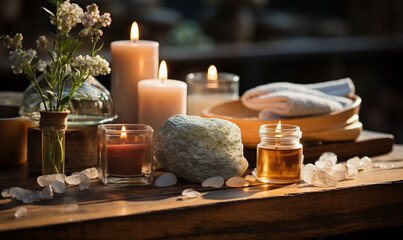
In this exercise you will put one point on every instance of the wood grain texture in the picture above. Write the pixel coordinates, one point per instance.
(261, 211)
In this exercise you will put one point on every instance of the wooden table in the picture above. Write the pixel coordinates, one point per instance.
(374, 200)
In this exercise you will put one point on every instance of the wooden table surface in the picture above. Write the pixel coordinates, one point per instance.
(260, 211)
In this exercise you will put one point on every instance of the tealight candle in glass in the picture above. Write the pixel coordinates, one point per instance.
(125, 154)
(279, 154)
(209, 89)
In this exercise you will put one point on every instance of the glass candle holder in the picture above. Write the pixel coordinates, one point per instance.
(279, 154)
(204, 92)
(125, 154)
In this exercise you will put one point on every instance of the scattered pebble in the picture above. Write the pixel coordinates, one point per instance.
(327, 173)
(57, 186)
(328, 156)
(52, 183)
(254, 172)
(312, 174)
(215, 182)
(91, 172)
(21, 212)
(339, 171)
(190, 193)
(84, 185)
(354, 163)
(47, 192)
(165, 180)
(251, 178)
(237, 182)
(47, 179)
(77, 178)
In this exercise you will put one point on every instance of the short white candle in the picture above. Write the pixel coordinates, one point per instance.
(160, 99)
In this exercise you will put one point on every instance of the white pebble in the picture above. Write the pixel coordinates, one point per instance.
(366, 162)
(215, 182)
(354, 163)
(307, 170)
(77, 178)
(91, 172)
(339, 172)
(190, 193)
(237, 182)
(320, 178)
(57, 186)
(18, 193)
(33, 196)
(185, 192)
(251, 178)
(47, 192)
(193, 194)
(328, 156)
(84, 185)
(352, 172)
(325, 165)
(165, 180)
(47, 179)
(317, 177)
(21, 212)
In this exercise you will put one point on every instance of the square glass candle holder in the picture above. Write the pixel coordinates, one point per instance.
(125, 154)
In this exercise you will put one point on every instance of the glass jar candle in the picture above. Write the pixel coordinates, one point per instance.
(279, 154)
(125, 154)
(209, 89)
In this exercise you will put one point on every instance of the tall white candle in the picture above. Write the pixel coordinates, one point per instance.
(132, 60)
(160, 99)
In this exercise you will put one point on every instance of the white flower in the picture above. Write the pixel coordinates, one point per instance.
(93, 21)
(68, 15)
(95, 65)
(20, 59)
(41, 65)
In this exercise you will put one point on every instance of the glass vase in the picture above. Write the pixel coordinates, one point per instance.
(53, 126)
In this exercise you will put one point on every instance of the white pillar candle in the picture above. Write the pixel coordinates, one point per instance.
(160, 99)
(132, 60)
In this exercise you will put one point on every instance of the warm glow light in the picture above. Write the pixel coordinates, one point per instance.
(212, 73)
(278, 129)
(163, 73)
(123, 134)
(134, 32)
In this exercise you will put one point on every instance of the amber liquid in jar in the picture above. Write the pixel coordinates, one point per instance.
(278, 166)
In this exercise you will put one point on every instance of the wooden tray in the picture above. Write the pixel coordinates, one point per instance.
(336, 126)
(367, 144)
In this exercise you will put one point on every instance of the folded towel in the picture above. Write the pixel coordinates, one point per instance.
(282, 99)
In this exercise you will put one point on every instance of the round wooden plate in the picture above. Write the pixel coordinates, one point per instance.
(336, 126)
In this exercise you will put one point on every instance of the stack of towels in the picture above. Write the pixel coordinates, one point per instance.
(283, 99)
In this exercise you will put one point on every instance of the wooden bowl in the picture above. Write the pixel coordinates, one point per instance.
(336, 126)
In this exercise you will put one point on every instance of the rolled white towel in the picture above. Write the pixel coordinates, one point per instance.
(282, 99)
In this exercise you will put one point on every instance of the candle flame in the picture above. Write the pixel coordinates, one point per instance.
(163, 72)
(212, 73)
(278, 129)
(134, 32)
(123, 134)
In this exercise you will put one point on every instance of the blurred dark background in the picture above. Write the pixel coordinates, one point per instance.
(261, 40)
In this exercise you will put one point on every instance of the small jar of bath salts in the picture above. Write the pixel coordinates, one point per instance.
(279, 154)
